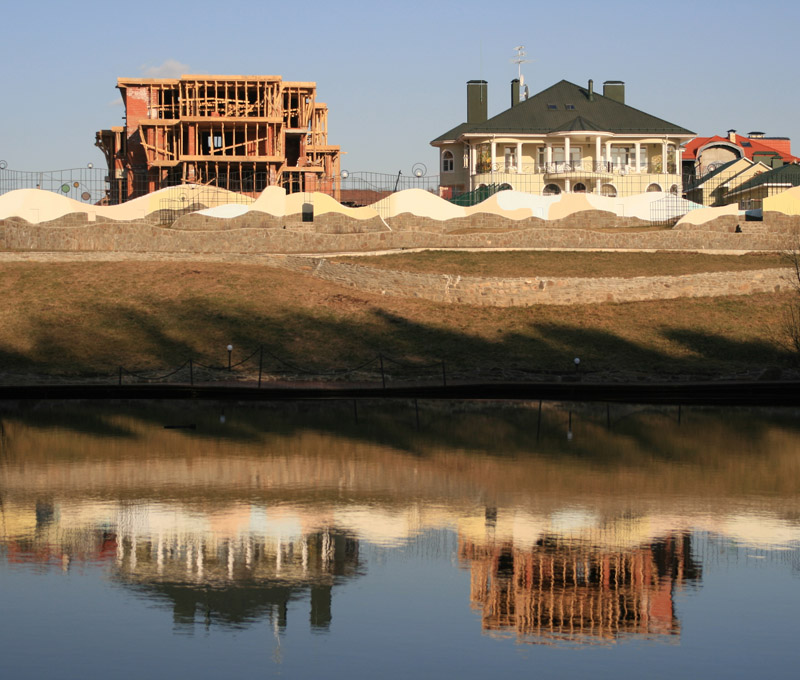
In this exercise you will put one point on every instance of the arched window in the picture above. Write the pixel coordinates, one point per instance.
(579, 188)
(654, 187)
(609, 190)
(674, 190)
(447, 161)
(505, 186)
(551, 190)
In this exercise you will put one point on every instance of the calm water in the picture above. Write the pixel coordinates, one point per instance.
(315, 541)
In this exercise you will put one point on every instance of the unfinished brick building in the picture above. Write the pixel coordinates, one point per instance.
(241, 133)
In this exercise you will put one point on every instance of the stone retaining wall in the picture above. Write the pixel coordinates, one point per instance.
(525, 292)
(104, 235)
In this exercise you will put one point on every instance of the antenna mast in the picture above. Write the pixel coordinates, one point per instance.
(519, 59)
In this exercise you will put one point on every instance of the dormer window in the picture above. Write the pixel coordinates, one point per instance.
(552, 107)
(569, 107)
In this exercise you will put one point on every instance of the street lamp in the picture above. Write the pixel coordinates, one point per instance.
(230, 350)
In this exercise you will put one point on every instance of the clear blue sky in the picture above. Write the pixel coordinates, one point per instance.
(394, 74)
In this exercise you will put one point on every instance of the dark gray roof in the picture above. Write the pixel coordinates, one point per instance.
(547, 112)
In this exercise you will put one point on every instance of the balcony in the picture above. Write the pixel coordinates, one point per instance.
(569, 169)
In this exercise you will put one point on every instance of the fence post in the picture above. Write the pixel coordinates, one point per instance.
(383, 375)
(260, 363)
(120, 375)
(191, 372)
(444, 375)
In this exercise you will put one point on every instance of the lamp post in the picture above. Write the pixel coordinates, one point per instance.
(230, 350)
(577, 363)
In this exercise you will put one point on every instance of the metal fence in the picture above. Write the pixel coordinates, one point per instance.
(92, 185)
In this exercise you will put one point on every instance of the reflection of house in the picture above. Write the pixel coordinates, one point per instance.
(564, 139)
(562, 590)
(705, 154)
(241, 133)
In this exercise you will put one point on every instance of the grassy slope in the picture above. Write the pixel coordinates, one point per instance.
(93, 317)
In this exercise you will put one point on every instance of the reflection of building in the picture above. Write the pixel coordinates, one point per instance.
(562, 590)
(237, 581)
(223, 570)
(564, 139)
(241, 133)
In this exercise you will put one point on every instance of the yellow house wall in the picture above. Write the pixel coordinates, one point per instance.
(787, 202)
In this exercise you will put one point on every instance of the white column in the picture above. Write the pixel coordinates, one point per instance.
(597, 158)
(678, 154)
(637, 164)
(472, 161)
(566, 149)
(494, 155)
(608, 153)
(549, 154)
(664, 157)
(519, 157)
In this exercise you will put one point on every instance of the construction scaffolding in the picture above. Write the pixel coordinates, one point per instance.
(241, 133)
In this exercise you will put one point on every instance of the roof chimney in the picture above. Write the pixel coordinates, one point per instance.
(477, 106)
(591, 90)
(614, 89)
(515, 92)
(732, 136)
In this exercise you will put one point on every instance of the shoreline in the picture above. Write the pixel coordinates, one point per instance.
(718, 393)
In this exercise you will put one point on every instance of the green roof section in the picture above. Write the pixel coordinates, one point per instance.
(454, 134)
(566, 107)
(700, 181)
(579, 124)
(787, 174)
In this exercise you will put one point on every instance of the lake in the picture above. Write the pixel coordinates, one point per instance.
(394, 540)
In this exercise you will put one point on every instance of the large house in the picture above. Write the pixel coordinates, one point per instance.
(705, 154)
(242, 133)
(566, 138)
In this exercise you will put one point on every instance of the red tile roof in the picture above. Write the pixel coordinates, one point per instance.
(756, 145)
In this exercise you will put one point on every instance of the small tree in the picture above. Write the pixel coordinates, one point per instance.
(791, 315)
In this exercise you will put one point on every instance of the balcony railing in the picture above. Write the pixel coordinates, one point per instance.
(567, 167)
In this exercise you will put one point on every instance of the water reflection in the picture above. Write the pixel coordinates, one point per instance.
(583, 540)
(567, 591)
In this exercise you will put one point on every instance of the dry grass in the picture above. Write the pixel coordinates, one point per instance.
(60, 318)
(559, 263)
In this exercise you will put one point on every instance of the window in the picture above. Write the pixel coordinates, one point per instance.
(609, 190)
(551, 190)
(626, 155)
(552, 107)
(654, 187)
(510, 156)
(569, 107)
(447, 161)
(579, 188)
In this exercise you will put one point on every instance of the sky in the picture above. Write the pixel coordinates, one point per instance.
(394, 74)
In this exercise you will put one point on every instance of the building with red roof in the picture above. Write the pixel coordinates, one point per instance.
(705, 154)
